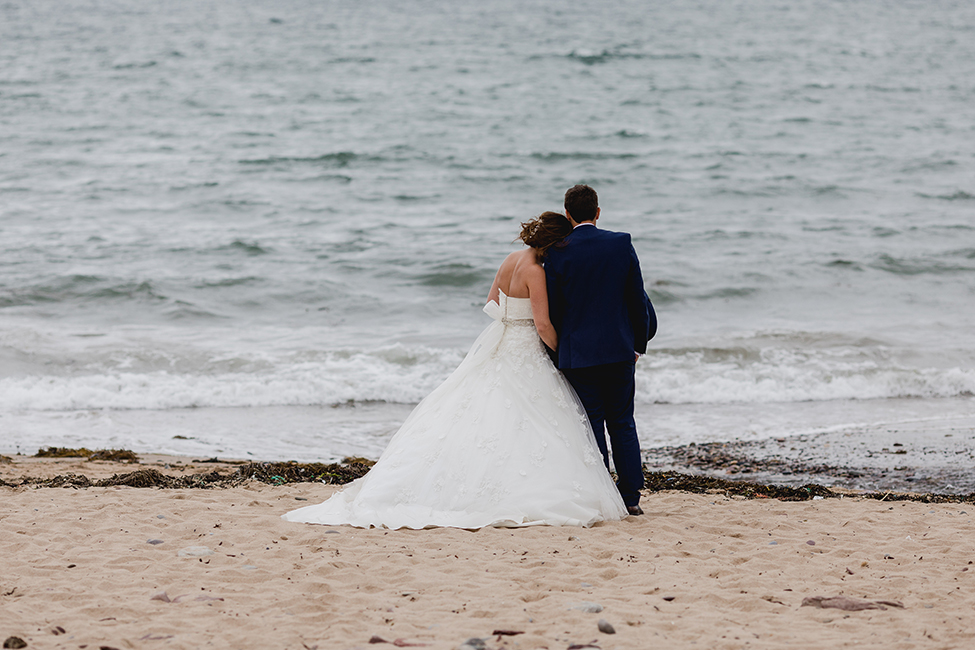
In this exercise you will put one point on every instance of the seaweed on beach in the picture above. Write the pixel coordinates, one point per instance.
(350, 469)
(63, 481)
(272, 473)
(291, 472)
(142, 478)
(919, 498)
(63, 452)
(657, 481)
(113, 455)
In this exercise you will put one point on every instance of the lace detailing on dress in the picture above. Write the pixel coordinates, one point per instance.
(504, 441)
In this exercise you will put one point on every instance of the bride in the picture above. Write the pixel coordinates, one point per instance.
(503, 441)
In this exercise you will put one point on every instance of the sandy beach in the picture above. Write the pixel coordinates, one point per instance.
(123, 567)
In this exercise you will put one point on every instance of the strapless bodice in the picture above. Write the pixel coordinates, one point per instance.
(515, 309)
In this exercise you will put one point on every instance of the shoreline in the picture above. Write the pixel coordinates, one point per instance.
(909, 459)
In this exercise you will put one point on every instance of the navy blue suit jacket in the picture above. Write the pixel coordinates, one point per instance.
(596, 299)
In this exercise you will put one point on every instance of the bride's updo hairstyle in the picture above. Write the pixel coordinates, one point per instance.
(544, 231)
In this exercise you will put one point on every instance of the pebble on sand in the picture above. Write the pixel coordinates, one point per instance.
(154, 542)
(588, 608)
(194, 551)
(14, 642)
(473, 644)
(605, 627)
(163, 596)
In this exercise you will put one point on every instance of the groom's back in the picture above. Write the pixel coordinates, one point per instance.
(596, 298)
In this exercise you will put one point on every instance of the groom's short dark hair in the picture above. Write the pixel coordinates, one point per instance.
(581, 203)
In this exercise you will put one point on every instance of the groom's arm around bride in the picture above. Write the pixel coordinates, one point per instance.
(604, 319)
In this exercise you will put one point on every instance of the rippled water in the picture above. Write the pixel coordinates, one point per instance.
(269, 228)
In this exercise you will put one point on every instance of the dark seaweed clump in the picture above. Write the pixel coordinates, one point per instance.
(332, 474)
(657, 481)
(273, 473)
(351, 469)
(699, 484)
(115, 455)
(63, 452)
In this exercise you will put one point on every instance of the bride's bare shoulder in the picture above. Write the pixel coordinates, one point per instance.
(517, 259)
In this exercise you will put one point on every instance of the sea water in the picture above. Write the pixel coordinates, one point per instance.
(267, 229)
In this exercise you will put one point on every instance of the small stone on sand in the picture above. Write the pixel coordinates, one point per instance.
(194, 551)
(589, 608)
(154, 542)
(473, 644)
(605, 627)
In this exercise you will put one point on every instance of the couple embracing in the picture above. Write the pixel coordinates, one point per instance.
(515, 435)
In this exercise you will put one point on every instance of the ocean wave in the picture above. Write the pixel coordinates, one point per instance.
(454, 275)
(252, 248)
(605, 56)
(406, 374)
(74, 287)
(337, 159)
(554, 156)
(395, 374)
(792, 367)
(908, 266)
(960, 195)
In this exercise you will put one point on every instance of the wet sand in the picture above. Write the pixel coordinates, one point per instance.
(921, 456)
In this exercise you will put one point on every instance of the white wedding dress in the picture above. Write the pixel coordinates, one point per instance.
(504, 441)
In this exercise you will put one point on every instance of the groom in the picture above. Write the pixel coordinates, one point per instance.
(604, 319)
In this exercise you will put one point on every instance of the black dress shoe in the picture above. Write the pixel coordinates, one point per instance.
(634, 510)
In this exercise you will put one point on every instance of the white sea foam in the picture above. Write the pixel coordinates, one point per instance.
(403, 374)
(391, 374)
(763, 383)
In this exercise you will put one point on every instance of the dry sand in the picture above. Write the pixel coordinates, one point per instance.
(697, 571)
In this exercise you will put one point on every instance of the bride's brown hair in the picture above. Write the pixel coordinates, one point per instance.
(544, 231)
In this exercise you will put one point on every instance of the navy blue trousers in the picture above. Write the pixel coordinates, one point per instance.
(607, 392)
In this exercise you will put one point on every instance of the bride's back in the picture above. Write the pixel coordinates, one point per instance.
(515, 272)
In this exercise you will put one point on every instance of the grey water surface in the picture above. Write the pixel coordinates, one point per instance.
(269, 228)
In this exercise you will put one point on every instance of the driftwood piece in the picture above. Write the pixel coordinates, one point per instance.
(848, 604)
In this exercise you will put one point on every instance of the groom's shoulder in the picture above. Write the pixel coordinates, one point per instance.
(614, 236)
